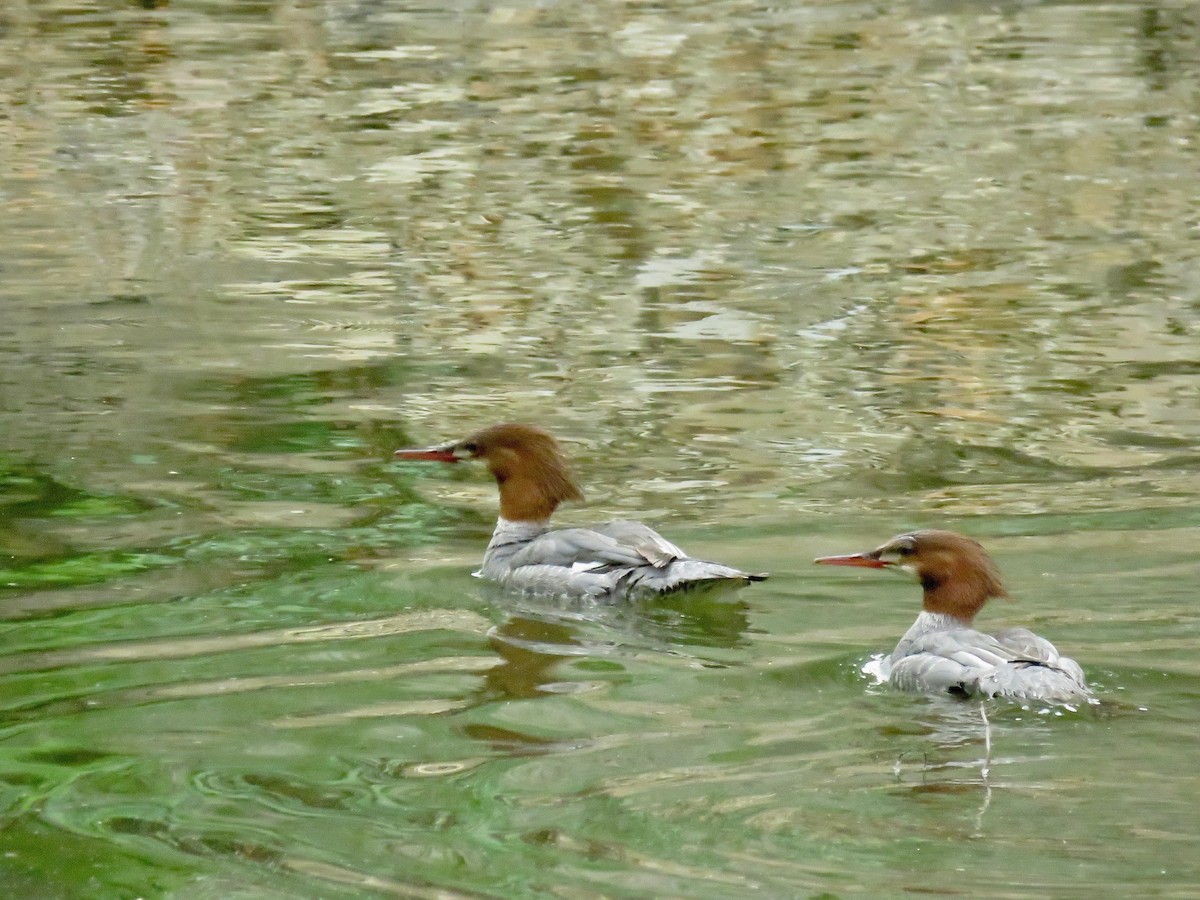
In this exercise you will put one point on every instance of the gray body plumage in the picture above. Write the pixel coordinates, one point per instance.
(940, 654)
(608, 561)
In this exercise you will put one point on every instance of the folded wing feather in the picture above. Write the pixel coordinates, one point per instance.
(610, 544)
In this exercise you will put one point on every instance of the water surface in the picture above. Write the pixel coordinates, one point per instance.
(785, 280)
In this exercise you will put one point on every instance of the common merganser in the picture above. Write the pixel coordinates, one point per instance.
(941, 652)
(609, 561)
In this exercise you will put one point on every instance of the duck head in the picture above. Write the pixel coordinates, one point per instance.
(957, 575)
(526, 462)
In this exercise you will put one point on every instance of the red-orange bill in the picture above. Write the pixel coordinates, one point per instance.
(856, 559)
(429, 454)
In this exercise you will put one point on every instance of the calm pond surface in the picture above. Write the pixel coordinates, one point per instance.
(786, 279)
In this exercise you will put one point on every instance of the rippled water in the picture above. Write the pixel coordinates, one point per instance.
(786, 280)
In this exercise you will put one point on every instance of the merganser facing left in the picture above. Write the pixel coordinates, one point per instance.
(941, 652)
(610, 561)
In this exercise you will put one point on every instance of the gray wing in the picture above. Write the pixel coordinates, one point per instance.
(651, 546)
(670, 568)
(1024, 644)
(616, 558)
(1061, 681)
(1037, 671)
(1016, 663)
(611, 544)
(944, 660)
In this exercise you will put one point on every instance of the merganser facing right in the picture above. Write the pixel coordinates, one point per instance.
(614, 560)
(941, 652)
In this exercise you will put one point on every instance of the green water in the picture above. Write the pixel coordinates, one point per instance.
(785, 279)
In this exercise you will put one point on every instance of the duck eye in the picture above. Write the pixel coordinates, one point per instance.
(904, 550)
(471, 447)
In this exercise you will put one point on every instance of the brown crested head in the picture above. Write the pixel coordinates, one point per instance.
(526, 461)
(955, 571)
